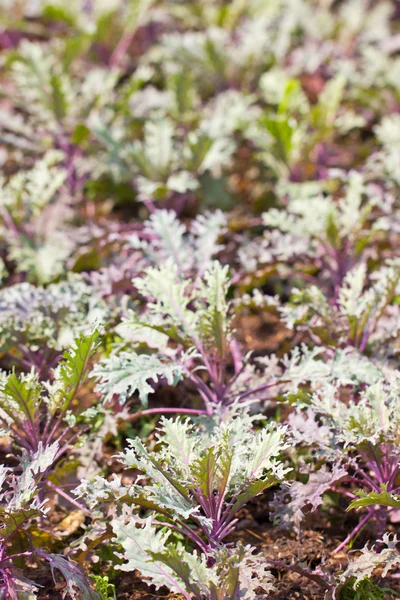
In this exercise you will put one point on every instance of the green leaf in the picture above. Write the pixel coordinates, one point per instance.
(252, 490)
(214, 322)
(59, 100)
(11, 521)
(21, 397)
(171, 297)
(383, 498)
(104, 588)
(212, 470)
(174, 558)
(205, 470)
(74, 368)
(139, 543)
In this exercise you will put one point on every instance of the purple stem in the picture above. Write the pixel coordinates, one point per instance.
(261, 388)
(67, 444)
(155, 411)
(12, 556)
(121, 48)
(363, 482)
(67, 497)
(393, 476)
(187, 531)
(376, 467)
(364, 339)
(226, 530)
(366, 478)
(355, 531)
(151, 207)
(206, 393)
(237, 357)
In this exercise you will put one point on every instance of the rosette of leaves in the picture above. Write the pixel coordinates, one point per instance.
(38, 414)
(167, 163)
(34, 213)
(56, 93)
(359, 438)
(38, 323)
(160, 238)
(183, 148)
(195, 483)
(185, 332)
(291, 125)
(193, 315)
(319, 238)
(164, 238)
(364, 313)
(22, 512)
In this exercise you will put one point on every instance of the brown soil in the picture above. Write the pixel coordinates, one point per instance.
(262, 333)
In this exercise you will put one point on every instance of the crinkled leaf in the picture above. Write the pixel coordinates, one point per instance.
(304, 497)
(139, 543)
(128, 372)
(383, 498)
(75, 578)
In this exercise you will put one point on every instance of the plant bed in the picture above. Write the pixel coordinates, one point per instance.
(199, 300)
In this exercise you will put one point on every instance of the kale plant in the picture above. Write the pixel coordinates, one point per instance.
(22, 512)
(171, 174)
(196, 482)
(190, 248)
(186, 332)
(38, 415)
(359, 437)
(364, 314)
(320, 238)
(38, 323)
(33, 222)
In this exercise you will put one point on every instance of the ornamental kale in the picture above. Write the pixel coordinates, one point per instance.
(21, 509)
(38, 323)
(319, 238)
(186, 332)
(363, 316)
(200, 477)
(213, 186)
(361, 435)
(39, 415)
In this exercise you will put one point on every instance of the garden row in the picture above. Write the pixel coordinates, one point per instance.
(200, 298)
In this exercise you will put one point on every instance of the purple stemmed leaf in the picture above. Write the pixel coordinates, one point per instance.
(75, 578)
(304, 497)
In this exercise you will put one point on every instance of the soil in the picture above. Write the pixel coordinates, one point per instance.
(262, 333)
